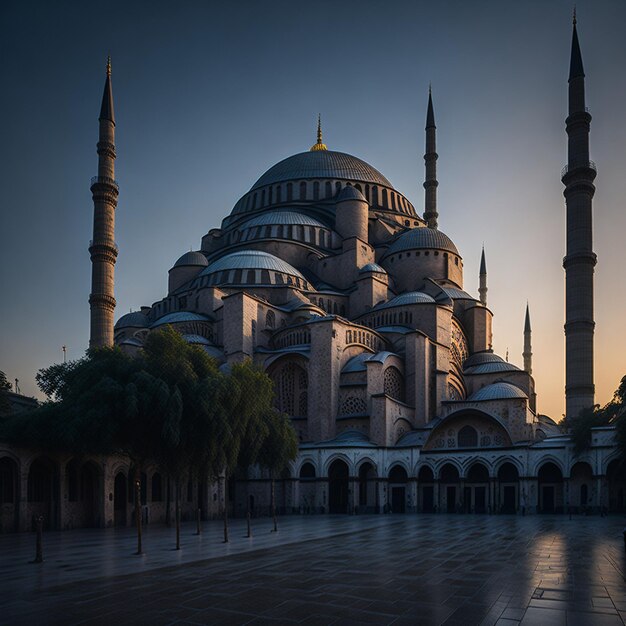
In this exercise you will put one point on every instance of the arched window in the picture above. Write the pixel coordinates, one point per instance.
(8, 480)
(385, 203)
(467, 437)
(270, 319)
(302, 191)
(291, 384)
(289, 192)
(394, 383)
(329, 189)
(307, 472)
(278, 195)
(316, 190)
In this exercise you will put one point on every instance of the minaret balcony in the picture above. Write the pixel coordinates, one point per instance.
(570, 167)
(104, 180)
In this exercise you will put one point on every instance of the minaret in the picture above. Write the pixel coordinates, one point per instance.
(528, 352)
(482, 289)
(430, 184)
(102, 248)
(579, 261)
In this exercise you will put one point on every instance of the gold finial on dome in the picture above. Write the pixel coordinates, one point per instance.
(108, 66)
(319, 145)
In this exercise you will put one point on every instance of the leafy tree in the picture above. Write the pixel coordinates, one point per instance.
(279, 448)
(5, 387)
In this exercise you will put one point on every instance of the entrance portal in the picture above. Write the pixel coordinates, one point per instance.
(338, 475)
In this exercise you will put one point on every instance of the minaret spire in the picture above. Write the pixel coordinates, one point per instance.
(320, 145)
(102, 247)
(528, 353)
(430, 158)
(482, 277)
(579, 261)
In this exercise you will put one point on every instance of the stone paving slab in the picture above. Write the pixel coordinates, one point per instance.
(402, 569)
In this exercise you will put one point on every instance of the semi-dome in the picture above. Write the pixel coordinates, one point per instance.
(420, 239)
(179, 317)
(134, 319)
(479, 358)
(492, 367)
(497, 391)
(192, 258)
(411, 297)
(277, 218)
(251, 260)
(322, 164)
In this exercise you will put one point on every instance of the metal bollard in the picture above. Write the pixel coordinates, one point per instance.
(39, 548)
(198, 516)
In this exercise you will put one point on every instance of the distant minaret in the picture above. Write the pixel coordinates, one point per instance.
(528, 352)
(580, 259)
(430, 184)
(102, 248)
(482, 289)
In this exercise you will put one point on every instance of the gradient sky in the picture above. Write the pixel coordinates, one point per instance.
(209, 95)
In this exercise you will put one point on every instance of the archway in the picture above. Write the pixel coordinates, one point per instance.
(476, 489)
(550, 488)
(90, 494)
(397, 489)
(449, 495)
(43, 486)
(616, 479)
(508, 488)
(580, 487)
(8, 494)
(426, 490)
(368, 492)
(307, 488)
(119, 499)
(338, 477)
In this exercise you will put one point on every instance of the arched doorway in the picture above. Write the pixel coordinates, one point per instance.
(426, 490)
(307, 488)
(90, 494)
(338, 477)
(550, 488)
(8, 494)
(616, 479)
(580, 487)
(43, 487)
(368, 492)
(508, 488)
(476, 489)
(449, 481)
(397, 489)
(120, 497)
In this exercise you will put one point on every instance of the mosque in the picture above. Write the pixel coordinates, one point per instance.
(354, 303)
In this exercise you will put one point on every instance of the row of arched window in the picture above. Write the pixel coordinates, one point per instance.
(388, 319)
(296, 232)
(323, 190)
(364, 338)
(293, 338)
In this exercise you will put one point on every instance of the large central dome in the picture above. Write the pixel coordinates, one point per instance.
(322, 164)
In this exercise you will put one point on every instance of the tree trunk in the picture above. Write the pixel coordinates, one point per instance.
(168, 504)
(225, 508)
(248, 517)
(177, 514)
(275, 529)
(138, 508)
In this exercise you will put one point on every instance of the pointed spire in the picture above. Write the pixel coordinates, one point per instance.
(430, 115)
(527, 355)
(482, 279)
(320, 145)
(527, 320)
(106, 110)
(576, 59)
(483, 264)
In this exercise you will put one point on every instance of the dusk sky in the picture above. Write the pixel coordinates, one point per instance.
(209, 95)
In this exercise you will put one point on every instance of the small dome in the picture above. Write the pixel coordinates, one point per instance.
(350, 193)
(411, 297)
(179, 317)
(251, 260)
(422, 238)
(492, 367)
(135, 319)
(357, 363)
(192, 258)
(276, 218)
(457, 294)
(322, 164)
(372, 267)
(497, 391)
(482, 357)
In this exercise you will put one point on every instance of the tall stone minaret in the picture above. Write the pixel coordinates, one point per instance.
(482, 287)
(430, 157)
(528, 351)
(579, 261)
(102, 247)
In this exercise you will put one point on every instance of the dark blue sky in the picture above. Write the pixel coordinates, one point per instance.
(209, 95)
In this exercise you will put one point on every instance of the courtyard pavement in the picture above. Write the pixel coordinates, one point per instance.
(385, 569)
